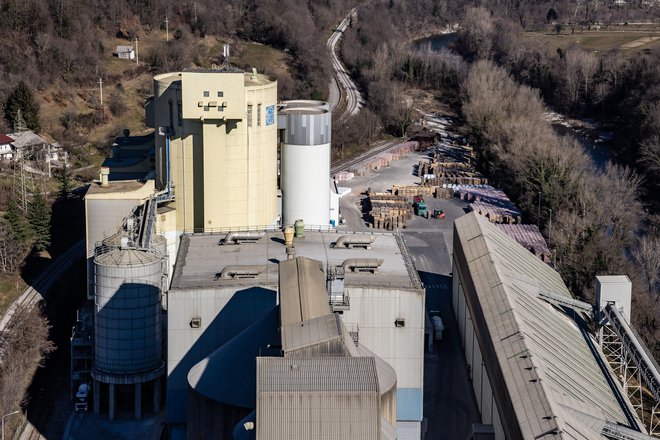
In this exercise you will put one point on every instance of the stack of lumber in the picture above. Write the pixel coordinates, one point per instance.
(530, 237)
(410, 191)
(455, 176)
(388, 211)
(342, 176)
(498, 213)
(383, 159)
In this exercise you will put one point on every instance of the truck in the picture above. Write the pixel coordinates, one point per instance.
(420, 206)
(80, 401)
(438, 328)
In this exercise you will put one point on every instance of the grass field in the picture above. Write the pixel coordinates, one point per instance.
(597, 41)
(11, 286)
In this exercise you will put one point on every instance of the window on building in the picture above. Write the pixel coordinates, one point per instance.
(206, 108)
(206, 94)
(220, 108)
(249, 115)
(169, 103)
(179, 112)
(221, 94)
(258, 115)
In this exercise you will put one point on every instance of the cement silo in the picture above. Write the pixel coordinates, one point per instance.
(127, 326)
(305, 155)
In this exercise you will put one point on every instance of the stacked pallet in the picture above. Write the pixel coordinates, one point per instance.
(388, 211)
(342, 176)
(498, 213)
(382, 160)
(530, 237)
(443, 193)
(453, 176)
(410, 191)
(481, 193)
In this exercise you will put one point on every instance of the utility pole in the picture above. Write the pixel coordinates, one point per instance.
(167, 29)
(101, 89)
(137, 52)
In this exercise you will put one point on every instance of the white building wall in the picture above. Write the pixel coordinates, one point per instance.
(375, 310)
(305, 184)
(188, 345)
(481, 384)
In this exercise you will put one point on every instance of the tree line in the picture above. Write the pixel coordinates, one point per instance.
(591, 217)
(594, 219)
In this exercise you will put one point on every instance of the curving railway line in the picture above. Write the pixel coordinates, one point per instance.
(348, 89)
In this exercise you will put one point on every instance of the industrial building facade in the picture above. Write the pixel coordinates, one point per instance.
(222, 286)
(217, 147)
(535, 369)
(184, 267)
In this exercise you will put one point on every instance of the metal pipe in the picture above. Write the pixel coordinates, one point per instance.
(349, 240)
(641, 350)
(241, 271)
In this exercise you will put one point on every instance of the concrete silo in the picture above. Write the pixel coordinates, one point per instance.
(305, 156)
(127, 327)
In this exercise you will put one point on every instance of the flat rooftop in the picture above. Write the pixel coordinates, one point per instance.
(202, 258)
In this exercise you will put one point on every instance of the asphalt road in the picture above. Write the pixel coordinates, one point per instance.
(450, 408)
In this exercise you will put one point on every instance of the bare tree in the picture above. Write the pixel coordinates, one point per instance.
(23, 345)
(647, 257)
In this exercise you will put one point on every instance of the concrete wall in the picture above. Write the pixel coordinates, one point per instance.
(481, 384)
(224, 312)
(375, 310)
(223, 166)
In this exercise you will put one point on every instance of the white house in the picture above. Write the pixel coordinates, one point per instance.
(6, 150)
(125, 52)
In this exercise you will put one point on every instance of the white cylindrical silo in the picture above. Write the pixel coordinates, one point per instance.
(127, 316)
(305, 177)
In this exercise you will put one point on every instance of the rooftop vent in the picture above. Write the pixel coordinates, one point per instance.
(362, 264)
(351, 241)
(241, 271)
(242, 237)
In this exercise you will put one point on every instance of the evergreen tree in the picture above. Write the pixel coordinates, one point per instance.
(17, 223)
(39, 218)
(21, 98)
(64, 179)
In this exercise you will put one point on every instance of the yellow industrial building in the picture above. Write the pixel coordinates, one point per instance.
(221, 127)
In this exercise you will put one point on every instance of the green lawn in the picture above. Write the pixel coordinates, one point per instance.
(600, 41)
(11, 286)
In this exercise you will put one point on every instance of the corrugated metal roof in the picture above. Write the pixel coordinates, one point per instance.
(550, 374)
(319, 374)
(314, 331)
(126, 257)
(302, 290)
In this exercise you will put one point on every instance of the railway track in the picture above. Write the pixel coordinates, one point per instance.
(346, 85)
(378, 148)
(37, 289)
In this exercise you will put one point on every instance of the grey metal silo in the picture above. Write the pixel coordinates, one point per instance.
(127, 319)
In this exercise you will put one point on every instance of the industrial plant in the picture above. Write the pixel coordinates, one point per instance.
(223, 287)
(185, 250)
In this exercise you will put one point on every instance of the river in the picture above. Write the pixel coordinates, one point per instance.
(437, 42)
(593, 139)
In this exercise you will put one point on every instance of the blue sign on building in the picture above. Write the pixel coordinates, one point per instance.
(270, 115)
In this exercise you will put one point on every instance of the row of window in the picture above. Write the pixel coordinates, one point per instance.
(207, 94)
(249, 115)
